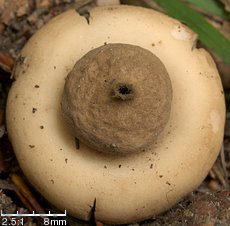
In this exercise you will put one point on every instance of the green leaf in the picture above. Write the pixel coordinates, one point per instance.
(208, 35)
(211, 6)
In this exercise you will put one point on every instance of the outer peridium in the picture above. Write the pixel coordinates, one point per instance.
(130, 188)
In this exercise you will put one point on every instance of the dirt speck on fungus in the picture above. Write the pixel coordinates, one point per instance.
(34, 110)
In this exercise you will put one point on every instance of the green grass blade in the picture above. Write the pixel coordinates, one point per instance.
(208, 35)
(211, 6)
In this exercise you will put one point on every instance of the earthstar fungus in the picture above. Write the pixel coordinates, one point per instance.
(174, 131)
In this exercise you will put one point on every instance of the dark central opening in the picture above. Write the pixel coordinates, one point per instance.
(124, 90)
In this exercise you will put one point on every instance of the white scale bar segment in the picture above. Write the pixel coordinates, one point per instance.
(33, 214)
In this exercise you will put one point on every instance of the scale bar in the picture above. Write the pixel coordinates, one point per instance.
(33, 214)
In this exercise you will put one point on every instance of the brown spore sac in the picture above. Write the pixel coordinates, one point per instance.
(117, 98)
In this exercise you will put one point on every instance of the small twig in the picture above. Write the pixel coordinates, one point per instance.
(6, 62)
(224, 165)
(219, 175)
(25, 194)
